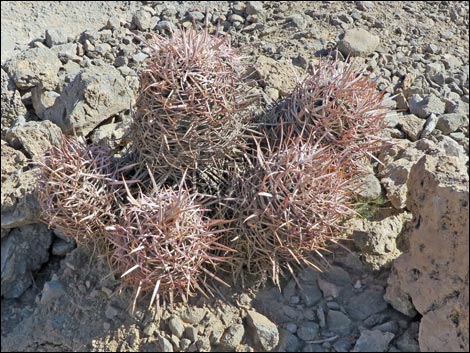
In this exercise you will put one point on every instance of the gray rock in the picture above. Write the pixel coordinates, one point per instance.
(430, 125)
(397, 298)
(412, 126)
(184, 344)
(110, 312)
(236, 18)
(139, 57)
(298, 21)
(369, 302)
(120, 61)
(448, 123)
(452, 148)
(308, 331)
(254, 8)
(193, 315)
(377, 240)
(61, 247)
(18, 199)
(232, 336)
(329, 289)
(52, 291)
(291, 327)
(150, 329)
(114, 22)
(389, 326)
(24, 250)
(191, 332)
(358, 42)
(264, 331)
(34, 66)
(55, 36)
(310, 294)
(12, 108)
(321, 316)
(429, 104)
(93, 96)
(103, 48)
(344, 344)
(408, 341)
(338, 323)
(370, 187)
(35, 137)
(373, 341)
(288, 342)
(176, 326)
(42, 100)
(143, 20)
(165, 345)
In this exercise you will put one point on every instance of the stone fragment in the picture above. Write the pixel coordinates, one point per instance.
(24, 250)
(55, 36)
(308, 331)
(429, 126)
(434, 271)
(176, 326)
(265, 332)
(367, 303)
(34, 66)
(422, 107)
(373, 341)
(193, 315)
(35, 138)
(412, 126)
(143, 20)
(93, 96)
(370, 187)
(449, 123)
(338, 323)
(358, 42)
(232, 336)
(12, 108)
(61, 247)
(275, 74)
(52, 291)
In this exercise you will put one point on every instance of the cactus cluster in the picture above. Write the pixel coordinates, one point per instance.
(282, 185)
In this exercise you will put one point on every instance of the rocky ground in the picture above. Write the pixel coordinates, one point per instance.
(403, 286)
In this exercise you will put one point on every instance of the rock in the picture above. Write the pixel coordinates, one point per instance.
(344, 344)
(176, 326)
(408, 341)
(111, 312)
(236, 18)
(34, 66)
(370, 187)
(193, 315)
(338, 323)
(24, 250)
(42, 100)
(422, 107)
(288, 342)
(308, 331)
(434, 271)
(232, 336)
(412, 126)
(196, 16)
(254, 8)
(329, 289)
(430, 125)
(215, 329)
(275, 74)
(55, 36)
(389, 326)
(114, 22)
(298, 21)
(103, 48)
(310, 294)
(12, 108)
(52, 291)
(165, 345)
(18, 201)
(264, 331)
(448, 123)
(143, 20)
(373, 341)
(377, 240)
(35, 138)
(357, 42)
(453, 148)
(93, 96)
(191, 333)
(139, 57)
(369, 302)
(61, 247)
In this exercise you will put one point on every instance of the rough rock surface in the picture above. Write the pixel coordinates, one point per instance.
(358, 42)
(94, 95)
(19, 204)
(266, 332)
(24, 250)
(34, 137)
(433, 274)
(34, 66)
(12, 108)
